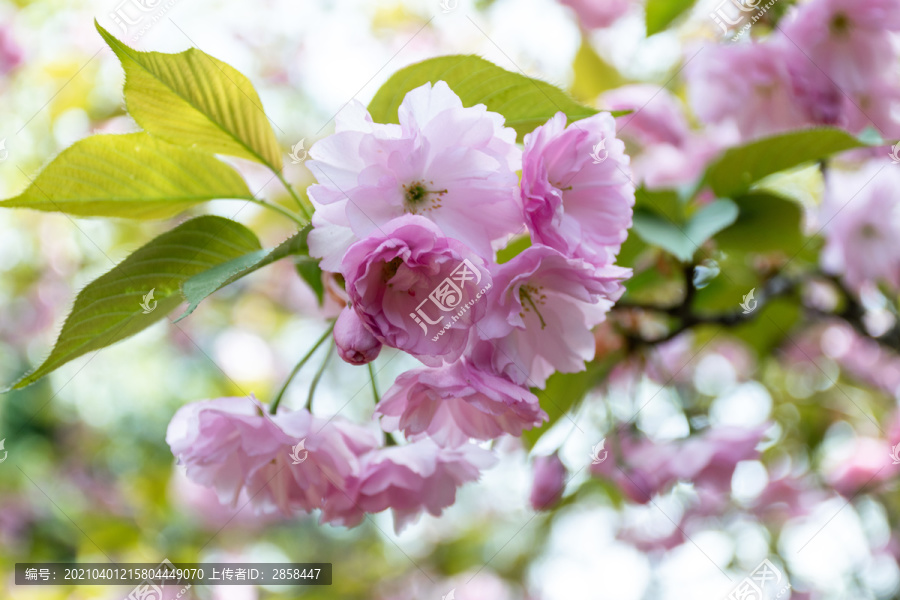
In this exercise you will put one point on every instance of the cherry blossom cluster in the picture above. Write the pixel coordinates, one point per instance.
(412, 216)
(828, 62)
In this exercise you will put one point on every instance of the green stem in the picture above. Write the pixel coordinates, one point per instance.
(374, 387)
(303, 361)
(294, 195)
(318, 376)
(282, 211)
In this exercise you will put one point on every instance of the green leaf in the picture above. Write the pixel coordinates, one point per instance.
(593, 75)
(201, 285)
(661, 13)
(118, 304)
(134, 175)
(766, 223)
(664, 202)
(309, 271)
(771, 327)
(740, 167)
(658, 231)
(525, 102)
(564, 391)
(193, 99)
(514, 248)
(710, 220)
(682, 241)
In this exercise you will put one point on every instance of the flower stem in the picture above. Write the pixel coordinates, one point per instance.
(282, 211)
(318, 376)
(374, 387)
(274, 406)
(294, 195)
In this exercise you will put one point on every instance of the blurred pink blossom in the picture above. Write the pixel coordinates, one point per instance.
(595, 14)
(10, 52)
(549, 482)
(644, 468)
(667, 153)
(860, 219)
(847, 39)
(868, 464)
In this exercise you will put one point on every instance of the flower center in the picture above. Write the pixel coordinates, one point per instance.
(390, 269)
(417, 195)
(869, 232)
(531, 296)
(840, 24)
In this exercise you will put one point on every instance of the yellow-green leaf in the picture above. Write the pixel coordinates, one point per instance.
(525, 102)
(133, 175)
(193, 99)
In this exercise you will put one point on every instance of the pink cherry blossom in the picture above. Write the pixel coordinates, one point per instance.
(594, 14)
(549, 482)
(646, 468)
(355, 344)
(667, 154)
(10, 52)
(747, 85)
(234, 446)
(576, 187)
(409, 479)
(540, 314)
(847, 39)
(457, 402)
(867, 465)
(861, 223)
(439, 162)
(417, 290)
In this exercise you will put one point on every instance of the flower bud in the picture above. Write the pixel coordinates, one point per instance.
(549, 482)
(355, 344)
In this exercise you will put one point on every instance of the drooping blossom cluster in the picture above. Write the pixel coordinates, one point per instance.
(828, 62)
(412, 216)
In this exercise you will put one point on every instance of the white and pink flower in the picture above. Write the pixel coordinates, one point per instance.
(442, 160)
